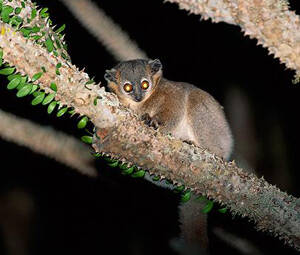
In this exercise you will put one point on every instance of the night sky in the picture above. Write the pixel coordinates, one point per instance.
(75, 214)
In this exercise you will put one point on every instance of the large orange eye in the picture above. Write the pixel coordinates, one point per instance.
(127, 87)
(145, 85)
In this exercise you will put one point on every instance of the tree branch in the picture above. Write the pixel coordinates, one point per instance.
(269, 21)
(47, 141)
(122, 135)
(105, 30)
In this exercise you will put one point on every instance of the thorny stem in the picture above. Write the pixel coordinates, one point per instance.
(269, 21)
(122, 135)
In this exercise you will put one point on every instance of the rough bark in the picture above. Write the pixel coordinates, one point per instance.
(47, 141)
(269, 21)
(122, 135)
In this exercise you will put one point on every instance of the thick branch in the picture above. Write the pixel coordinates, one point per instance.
(122, 135)
(269, 21)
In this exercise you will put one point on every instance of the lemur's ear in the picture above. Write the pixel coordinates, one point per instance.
(155, 65)
(111, 75)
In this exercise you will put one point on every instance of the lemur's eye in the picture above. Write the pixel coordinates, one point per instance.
(145, 85)
(127, 87)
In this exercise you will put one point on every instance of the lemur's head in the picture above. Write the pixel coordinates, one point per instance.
(134, 79)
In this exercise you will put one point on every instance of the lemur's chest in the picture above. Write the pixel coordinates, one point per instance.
(183, 130)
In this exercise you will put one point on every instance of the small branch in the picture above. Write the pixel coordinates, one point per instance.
(105, 30)
(269, 21)
(47, 141)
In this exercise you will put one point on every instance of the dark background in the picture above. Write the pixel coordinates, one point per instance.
(74, 214)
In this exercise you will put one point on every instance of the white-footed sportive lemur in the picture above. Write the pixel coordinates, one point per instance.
(178, 108)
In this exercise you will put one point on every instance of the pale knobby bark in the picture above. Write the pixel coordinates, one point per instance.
(269, 21)
(122, 135)
(105, 30)
(47, 141)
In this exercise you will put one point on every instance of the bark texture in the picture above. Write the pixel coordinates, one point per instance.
(122, 135)
(269, 21)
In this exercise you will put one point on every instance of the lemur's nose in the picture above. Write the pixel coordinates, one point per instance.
(138, 98)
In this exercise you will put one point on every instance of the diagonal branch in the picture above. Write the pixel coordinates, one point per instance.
(122, 135)
(105, 29)
(269, 21)
(46, 141)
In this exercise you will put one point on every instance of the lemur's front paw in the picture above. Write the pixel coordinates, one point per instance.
(151, 122)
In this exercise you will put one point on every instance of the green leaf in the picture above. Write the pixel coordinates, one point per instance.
(51, 107)
(18, 10)
(223, 210)
(63, 55)
(44, 69)
(114, 164)
(35, 29)
(89, 82)
(38, 99)
(123, 166)
(58, 44)
(36, 76)
(33, 13)
(26, 31)
(53, 86)
(87, 139)
(208, 207)
(95, 101)
(45, 15)
(65, 46)
(97, 155)
(49, 45)
(179, 188)
(23, 4)
(16, 21)
(128, 171)
(14, 83)
(25, 90)
(138, 174)
(71, 111)
(48, 99)
(186, 197)
(61, 112)
(6, 11)
(37, 37)
(82, 123)
(61, 28)
(7, 70)
(34, 88)
(44, 10)
(13, 76)
(58, 65)
(155, 178)
(22, 83)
